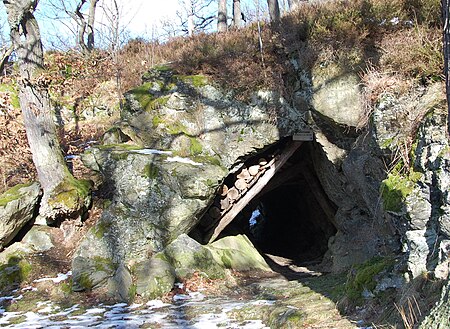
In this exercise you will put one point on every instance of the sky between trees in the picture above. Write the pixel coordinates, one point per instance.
(147, 19)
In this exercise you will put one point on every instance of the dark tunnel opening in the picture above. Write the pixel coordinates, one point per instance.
(291, 217)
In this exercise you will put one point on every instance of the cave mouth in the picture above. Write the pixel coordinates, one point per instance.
(287, 222)
(291, 217)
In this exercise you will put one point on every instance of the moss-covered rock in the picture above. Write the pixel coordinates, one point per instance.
(396, 188)
(188, 256)
(91, 273)
(70, 198)
(15, 271)
(362, 278)
(18, 206)
(238, 253)
(154, 277)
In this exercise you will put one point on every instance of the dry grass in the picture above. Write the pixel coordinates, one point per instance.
(357, 35)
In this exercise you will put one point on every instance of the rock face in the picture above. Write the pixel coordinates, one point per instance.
(17, 208)
(182, 137)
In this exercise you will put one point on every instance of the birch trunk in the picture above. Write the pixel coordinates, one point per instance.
(37, 110)
(237, 15)
(274, 11)
(222, 16)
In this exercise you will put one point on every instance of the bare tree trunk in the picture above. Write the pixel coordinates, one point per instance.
(85, 26)
(446, 49)
(90, 25)
(274, 11)
(191, 24)
(81, 27)
(5, 58)
(34, 100)
(222, 16)
(237, 14)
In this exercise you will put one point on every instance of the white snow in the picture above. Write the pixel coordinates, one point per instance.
(395, 21)
(60, 277)
(151, 151)
(183, 160)
(212, 313)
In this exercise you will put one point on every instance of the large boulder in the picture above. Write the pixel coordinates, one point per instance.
(154, 277)
(17, 208)
(238, 253)
(189, 256)
(178, 139)
(337, 95)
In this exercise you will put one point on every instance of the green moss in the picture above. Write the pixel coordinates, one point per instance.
(146, 100)
(119, 156)
(362, 277)
(151, 171)
(194, 80)
(12, 90)
(100, 229)
(119, 147)
(195, 147)
(162, 68)
(14, 272)
(157, 120)
(66, 287)
(162, 256)
(226, 260)
(132, 291)
(157, 103)
(396, 187)
(214, 160)
(85, 281)
(177, 128)
(25, 269)
(12, 194)
(142, 94)
(103, 264)
(296, 319)
(70, 193)
(17, 319)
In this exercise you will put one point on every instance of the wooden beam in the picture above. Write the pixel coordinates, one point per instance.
(320, 195)
(255, 189)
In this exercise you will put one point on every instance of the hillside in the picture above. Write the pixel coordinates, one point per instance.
(166, 131)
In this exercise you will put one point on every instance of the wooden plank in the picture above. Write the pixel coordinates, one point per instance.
(320, 195)
(306, 136)
(256, 188)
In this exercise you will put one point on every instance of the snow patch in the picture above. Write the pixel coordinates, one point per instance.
(151, 151)
(60, 277)
(183, 160)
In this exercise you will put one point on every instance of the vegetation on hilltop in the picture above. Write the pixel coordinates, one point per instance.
(391, 44)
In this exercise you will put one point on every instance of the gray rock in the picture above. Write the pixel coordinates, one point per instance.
(418, 247)
(439, 317)
(154, 277)
(418, 207)
(159, 196)
(188, 256)
(91, 273)
(338, 97)
(119, 286)
(39, 238)
(17, 208)
(238, 253)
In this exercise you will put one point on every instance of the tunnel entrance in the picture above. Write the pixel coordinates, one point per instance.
(291, 217)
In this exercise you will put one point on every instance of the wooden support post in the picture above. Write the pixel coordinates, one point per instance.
(255, 189)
